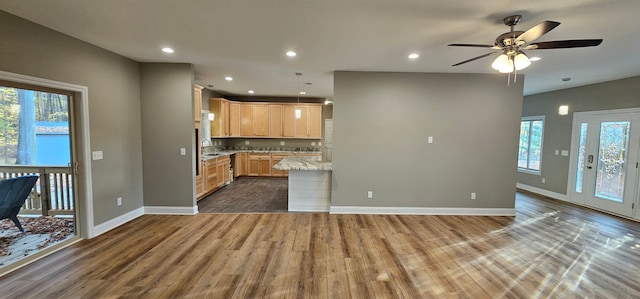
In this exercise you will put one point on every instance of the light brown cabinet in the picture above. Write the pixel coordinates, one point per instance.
(220, 125)
(215, 175)
(275, 158)
(309, 125)
(240, 165)
(234, 119)
(255, 120)
(288, 121)
(211, 175)
(275, 120)
(197, 103)
(259, 164)
(222, 164)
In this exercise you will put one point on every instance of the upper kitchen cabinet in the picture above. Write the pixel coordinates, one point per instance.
(275, 120)
(197, 103)
(309, 125)
(220, 124)
(255, 120)
(235, 118)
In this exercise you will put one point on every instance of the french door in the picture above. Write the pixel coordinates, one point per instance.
(604, 160)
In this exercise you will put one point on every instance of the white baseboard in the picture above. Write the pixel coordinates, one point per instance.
(115, 222)
(543, 192)
(422, 211)
(171, 210)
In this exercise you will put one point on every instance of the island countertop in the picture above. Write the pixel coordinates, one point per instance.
(303, 163)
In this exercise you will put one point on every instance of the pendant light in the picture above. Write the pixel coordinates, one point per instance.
(298, 111)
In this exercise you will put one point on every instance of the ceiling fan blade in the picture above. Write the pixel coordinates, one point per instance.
(559, 44)
(537, 31)
(471, 45)
(474, 58)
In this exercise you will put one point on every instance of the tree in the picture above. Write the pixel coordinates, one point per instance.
(27, 128)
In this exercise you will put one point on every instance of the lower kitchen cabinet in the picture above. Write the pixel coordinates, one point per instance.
(275, 158)
(215, 174)
(240, 165)
(259, 164)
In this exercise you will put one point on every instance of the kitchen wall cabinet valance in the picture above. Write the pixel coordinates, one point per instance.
(265, 120)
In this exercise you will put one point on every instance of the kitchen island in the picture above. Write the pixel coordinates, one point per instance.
(309, 183)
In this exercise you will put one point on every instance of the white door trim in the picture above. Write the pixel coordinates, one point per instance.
(85, 194)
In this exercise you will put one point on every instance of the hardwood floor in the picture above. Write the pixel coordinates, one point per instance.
(248, 195)
(550, 249)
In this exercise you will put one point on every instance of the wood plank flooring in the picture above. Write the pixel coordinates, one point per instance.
(550, 249)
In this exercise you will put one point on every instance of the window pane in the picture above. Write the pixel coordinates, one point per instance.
(535, 145)
(523, 152)
(612, 155)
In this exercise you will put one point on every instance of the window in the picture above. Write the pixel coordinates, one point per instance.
(530, 148)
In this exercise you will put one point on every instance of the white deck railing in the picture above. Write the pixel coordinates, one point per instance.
(57, 198)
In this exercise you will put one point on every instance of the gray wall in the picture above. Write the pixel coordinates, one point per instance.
(167, 125)
(114, 104)
(624, 93)
(382, 121)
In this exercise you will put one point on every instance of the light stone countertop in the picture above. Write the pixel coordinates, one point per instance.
(303, 163)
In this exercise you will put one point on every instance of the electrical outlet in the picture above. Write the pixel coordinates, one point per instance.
(543, 180)
(183, 151)
(281, 142)
(246, 142)
(313, 143)
(473, 195)
(369, 194)
(430, 139)
(119, 201)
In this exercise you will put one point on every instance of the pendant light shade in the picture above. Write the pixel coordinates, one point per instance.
(521, 61)
(502, 64)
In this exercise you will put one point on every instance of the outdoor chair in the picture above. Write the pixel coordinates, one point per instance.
(13, 193)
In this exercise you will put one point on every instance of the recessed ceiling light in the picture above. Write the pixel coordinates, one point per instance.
(228, 78)
(251, 91)
(167, 50)
(291, 54)
(414, 55)
(534, 58)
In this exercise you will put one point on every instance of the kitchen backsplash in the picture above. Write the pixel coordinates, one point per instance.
(268, 144)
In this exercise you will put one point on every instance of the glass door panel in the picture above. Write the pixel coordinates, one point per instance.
(612, 158)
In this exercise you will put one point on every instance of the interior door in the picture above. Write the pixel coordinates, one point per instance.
(605, 160)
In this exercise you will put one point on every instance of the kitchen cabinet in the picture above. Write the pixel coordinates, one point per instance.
(308, 126)
(259, 164)
(211, 175)
(220, 125)
(222, 170)
(255, 120)
(199, 187)
(275, 158)
(275, 120)
(234, 119)
(197, 104)
(240, 165)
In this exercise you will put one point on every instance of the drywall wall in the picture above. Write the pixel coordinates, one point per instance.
(167, 127)
(114, 104)
(618, 94)
(381, 125)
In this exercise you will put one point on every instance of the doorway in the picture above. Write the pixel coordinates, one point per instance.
(37, 138)
(605, 148)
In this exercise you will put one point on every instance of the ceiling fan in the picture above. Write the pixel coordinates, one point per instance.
(511, 45)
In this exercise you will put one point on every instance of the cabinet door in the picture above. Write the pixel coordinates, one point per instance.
(234, 119)
(265, 166)
(275, 120)
(247, 120)
(211, 181)
(314, 127)
(197, 103)
(302, 127)
(275, 158)
(253, 165)
(240, 165)
(288, 121)
(261, 120)
(224, 118)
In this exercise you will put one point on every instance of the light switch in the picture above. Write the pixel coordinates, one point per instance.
(183, 151)
(430, 139)
(557, 152)
(96, 155)
(565, 153)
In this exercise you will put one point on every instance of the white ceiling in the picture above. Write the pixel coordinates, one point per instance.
(248, 39)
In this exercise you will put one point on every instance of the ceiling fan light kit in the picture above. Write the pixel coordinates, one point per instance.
(510, 45)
